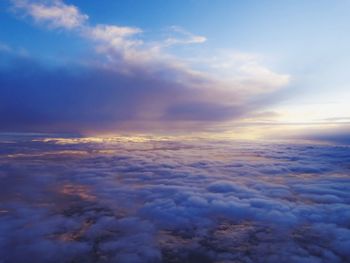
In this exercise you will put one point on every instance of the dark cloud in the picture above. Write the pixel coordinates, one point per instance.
(150, 200)
(96, 98)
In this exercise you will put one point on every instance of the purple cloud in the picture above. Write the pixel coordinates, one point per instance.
(172, 201)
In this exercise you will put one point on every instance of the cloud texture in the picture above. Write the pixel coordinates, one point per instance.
(143, 199)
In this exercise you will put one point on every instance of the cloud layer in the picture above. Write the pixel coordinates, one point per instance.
(139, 199)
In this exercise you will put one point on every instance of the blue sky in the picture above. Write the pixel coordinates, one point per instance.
(285, 28)
(293, 55)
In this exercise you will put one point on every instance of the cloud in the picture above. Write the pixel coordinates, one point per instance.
(339, 134)
(98, 98)
(183, 37)
(112, 34)
(114, 37)
(329, 132)
(144, 199)
(128, 84)
(55, 13)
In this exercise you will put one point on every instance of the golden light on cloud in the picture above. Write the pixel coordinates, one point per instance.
(102, 139)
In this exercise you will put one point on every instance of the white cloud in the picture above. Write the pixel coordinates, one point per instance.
(183, 38)
(116, 43)
(114, 36)
(55, 13)
(110, 32)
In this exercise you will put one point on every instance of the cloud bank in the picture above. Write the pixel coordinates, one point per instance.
(127, 84)
(143, 199)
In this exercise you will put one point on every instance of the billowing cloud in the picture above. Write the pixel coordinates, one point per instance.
(145, 199)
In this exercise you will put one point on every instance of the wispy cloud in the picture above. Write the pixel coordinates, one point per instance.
(183, 37)
(55, 13)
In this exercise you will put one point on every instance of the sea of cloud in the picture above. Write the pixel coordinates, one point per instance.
(143, 199)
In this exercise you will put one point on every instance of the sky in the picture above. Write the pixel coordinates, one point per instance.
(244, 68)
(136, 131)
